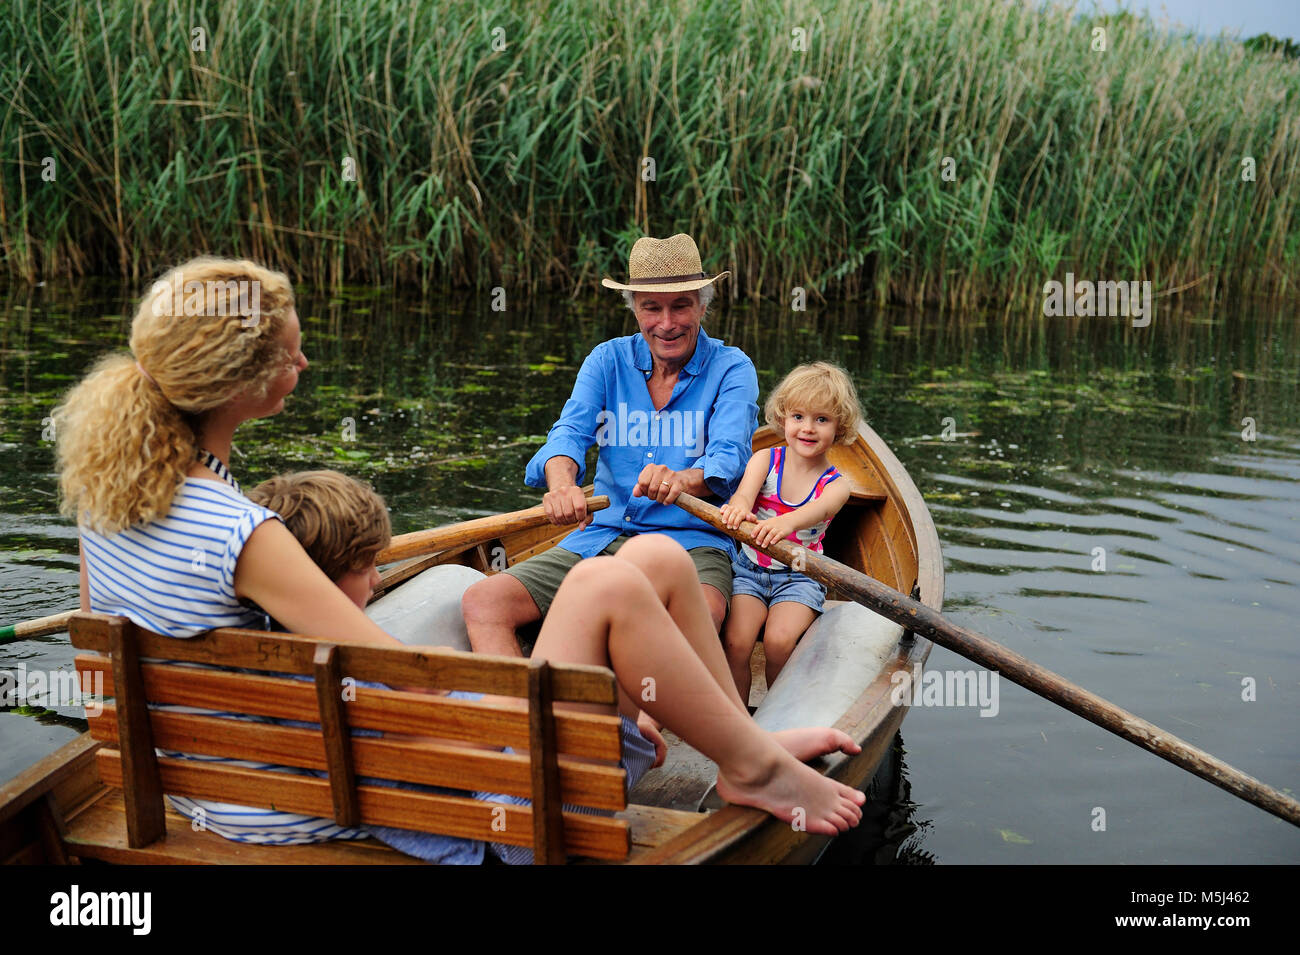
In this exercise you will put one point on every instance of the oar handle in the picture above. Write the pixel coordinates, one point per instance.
(922, 620)
(55, 623)
(476, 531)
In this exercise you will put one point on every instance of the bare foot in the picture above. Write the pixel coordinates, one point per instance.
(812, 741)
(796, 794)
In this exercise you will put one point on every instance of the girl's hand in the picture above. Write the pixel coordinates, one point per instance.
(733, 515)
(772, 530)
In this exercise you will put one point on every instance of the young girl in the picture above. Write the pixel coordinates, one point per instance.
(792, 492)
(169, 540)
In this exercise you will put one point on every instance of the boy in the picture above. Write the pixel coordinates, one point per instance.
(341, 523)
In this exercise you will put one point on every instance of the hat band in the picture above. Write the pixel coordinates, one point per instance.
(669, 279)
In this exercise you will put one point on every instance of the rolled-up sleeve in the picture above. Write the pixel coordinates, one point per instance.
(731, 430)
(575, 431)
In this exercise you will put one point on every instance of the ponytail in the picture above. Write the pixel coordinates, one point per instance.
(123, 449)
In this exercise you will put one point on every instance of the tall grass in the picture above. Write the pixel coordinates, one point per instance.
(521, 167)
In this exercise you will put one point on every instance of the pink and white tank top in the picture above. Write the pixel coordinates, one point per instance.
(769, 503)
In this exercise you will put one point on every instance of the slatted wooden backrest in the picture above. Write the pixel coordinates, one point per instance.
(571, 756)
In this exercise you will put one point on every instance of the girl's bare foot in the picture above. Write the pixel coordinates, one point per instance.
(796, 794)
(809, 742)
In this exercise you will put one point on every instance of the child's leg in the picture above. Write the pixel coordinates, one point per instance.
(786, 623)
(670, 571)
(739, 637)
(608, 614)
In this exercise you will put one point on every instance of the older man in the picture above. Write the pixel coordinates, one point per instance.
(671, 410)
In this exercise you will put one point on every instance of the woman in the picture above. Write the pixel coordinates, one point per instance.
(169, 541)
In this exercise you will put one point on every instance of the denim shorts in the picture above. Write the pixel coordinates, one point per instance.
(775, 586)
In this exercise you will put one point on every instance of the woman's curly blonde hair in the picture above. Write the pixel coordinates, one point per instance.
(817, 387)
(125, 440)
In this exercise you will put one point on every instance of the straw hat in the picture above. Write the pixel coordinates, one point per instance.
(664, 265)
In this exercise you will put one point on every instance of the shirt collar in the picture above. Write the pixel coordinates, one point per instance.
(642, 359)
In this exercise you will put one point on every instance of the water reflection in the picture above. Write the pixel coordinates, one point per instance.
(893, 830)
(1101, 507)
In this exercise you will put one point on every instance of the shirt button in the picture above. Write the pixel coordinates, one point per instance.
(649, 454)
(627, 518)
(657, 417)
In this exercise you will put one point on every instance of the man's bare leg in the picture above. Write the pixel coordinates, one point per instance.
(494, 609)
(717, 605)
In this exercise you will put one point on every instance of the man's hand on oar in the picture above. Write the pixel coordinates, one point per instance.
(920, 619)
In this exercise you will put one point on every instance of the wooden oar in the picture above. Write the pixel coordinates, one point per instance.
(921, 619)
(415, 544)
(445, 544)
(55, 623)
(472, 532)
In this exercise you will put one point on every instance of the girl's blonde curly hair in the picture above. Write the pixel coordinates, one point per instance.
(817, 387)
(124, 441)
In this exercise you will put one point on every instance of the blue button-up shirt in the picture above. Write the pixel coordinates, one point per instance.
(707, 423)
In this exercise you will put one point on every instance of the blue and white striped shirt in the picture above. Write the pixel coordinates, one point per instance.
(176, 576)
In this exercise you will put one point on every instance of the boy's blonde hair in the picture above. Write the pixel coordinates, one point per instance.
(817, 387)
(341, 523)
(124, 441)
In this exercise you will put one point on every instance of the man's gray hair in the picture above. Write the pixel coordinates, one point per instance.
(706, 296)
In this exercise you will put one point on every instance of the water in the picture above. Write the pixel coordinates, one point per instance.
(1066, 436)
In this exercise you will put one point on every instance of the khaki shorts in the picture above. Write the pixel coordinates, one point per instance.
(543, 574)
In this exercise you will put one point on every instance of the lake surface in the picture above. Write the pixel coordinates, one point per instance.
(1100, 511)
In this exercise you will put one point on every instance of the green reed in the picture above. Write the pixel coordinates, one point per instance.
(522, 167)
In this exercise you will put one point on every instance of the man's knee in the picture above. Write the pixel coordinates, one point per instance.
(499, 599)
(717, 605)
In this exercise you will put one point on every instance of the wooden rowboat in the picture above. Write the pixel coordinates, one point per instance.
(842, 674)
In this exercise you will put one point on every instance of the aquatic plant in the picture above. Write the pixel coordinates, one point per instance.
(957, 152)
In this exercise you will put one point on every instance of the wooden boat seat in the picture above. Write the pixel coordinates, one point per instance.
(861, 495)
(98, 831)
(563, 755)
